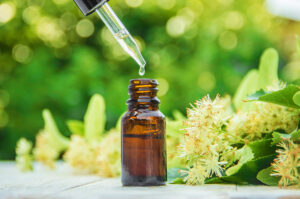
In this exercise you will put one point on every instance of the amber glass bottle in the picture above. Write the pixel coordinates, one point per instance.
(143, 137)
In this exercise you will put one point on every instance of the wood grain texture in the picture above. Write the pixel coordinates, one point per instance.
(62, 183)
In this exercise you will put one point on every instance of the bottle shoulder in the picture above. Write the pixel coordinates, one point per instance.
(144, 114)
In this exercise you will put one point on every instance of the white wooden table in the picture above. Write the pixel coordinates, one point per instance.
(63, 184)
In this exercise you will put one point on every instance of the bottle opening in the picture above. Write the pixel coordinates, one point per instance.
(143, 81)
(143, 92)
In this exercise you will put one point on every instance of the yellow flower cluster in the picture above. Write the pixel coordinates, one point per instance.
(24, 157)
(287, 163)
(81, 155)
(101, 158)
(109, 156)
(261, 119)
(44, 151)
(206, 145)
(212, 131)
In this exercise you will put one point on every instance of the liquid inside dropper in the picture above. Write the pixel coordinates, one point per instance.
(122, 35)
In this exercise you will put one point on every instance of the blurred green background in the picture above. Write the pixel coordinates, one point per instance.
(51, 56)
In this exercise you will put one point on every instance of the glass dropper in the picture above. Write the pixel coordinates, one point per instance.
(121, 34)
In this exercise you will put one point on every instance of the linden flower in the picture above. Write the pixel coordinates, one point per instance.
(109, 155)
(261, 119)
(286, 164)
(103, 158)
(24, 147)
(49, 141)
(24, 157)
(206, 141)
(44, 151)
(81, 155)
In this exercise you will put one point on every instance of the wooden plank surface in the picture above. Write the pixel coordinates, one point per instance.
(62, 183)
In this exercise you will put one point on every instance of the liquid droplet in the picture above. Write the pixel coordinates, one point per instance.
(142, 70)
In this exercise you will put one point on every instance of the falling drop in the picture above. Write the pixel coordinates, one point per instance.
(142, 70)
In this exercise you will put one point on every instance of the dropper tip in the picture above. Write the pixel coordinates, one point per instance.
(142, 70)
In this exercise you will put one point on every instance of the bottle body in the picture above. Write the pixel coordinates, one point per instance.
(143, 140)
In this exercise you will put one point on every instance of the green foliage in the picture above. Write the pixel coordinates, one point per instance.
(254, 157)
(266, 76)
(247, 173)
(277, 137)
(296, 98)
(282, 97)
(252, 151)
(95, 119)
(76, 127)
(262, 148)
(56, 140)
(244, 155)
(248, 86)
(265, 177)
(268, 69)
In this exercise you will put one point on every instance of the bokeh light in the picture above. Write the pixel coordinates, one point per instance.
(7, 12)
(166, 4)
(61, 2)
(31, 14)
(134, 3)
(163, 86)
(234, 20)
(176, 26)
(206, 81)
(85, 28)
(49, 31)
(228, 40)
(21, 53)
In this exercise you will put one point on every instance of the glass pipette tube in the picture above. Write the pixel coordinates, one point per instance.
(121, 34)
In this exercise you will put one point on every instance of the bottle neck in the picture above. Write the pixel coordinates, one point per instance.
(142, 94)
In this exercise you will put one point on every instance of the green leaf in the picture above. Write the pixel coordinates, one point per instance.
(175, 176)
(248, 86)
(296, 98)
(268, 68)
(178, 115)
(277, 137)
(295, 135)
(244, 155)
(56, 139)
(262, 148)
(253, 150)
(282, 97)
(247, 173)
(94, 119)
(76, 127)
(215, 180)
(265, 177)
